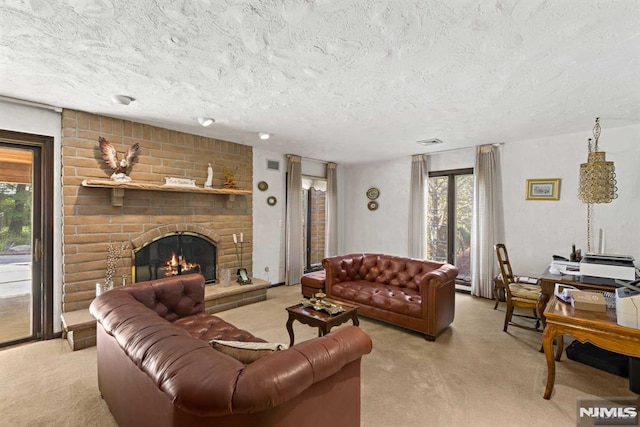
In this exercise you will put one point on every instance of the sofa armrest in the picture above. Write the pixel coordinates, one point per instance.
(437, 289)
(273, 380)
(437, 278)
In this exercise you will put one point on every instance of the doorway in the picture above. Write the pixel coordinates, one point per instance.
(26, 237)
(449, 221)
(314, 192)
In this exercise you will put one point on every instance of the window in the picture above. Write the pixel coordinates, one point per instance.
(449, 220)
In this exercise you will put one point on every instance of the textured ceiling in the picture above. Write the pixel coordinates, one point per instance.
(341, 80)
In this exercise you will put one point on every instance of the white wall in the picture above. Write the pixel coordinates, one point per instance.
(535, 230)
(269, 221)
(359, 230)
(386, 229)
(448, 160)
(39, 121)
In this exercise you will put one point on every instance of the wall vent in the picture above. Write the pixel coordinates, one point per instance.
(273, 165)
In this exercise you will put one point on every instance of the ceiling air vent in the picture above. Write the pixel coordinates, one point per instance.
(431, 141)
(273, 165)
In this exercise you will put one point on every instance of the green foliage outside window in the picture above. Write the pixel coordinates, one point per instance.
(15, 215)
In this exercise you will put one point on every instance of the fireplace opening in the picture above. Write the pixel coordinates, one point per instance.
(175, 254)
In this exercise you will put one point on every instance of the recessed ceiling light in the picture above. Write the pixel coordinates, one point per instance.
(264, 135)
(431, 141)
(122, 99)
(205, 121)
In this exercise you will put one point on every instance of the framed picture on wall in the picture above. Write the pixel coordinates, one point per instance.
(543, 189)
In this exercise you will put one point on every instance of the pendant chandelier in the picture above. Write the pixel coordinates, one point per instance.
(597, 183)
(597, 177)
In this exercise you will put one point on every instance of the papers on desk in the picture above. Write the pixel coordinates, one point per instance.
(563, 292)
(527, 280)
(564, 267)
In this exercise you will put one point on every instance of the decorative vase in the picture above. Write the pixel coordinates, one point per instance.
(225, 277)
(101, 288)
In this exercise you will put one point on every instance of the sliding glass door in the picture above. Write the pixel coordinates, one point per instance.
(25, 295)
(449, 221)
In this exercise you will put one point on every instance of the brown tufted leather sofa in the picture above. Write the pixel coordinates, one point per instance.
(156, 367)
(412, 293)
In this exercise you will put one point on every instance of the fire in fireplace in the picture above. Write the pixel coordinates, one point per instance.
(178, 265)
(175, 254)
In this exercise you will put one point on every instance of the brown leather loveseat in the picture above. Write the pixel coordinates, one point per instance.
(157, 368)
(412, 293)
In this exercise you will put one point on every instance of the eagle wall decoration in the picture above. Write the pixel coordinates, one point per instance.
(120, 167)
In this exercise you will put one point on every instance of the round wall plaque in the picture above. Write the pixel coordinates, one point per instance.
(373, 193)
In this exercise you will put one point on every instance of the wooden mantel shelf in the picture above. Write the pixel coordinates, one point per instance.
(117, 189)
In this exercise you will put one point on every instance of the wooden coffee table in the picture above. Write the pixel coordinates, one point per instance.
(320, 319)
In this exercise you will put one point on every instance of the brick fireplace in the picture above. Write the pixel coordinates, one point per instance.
(91, 221)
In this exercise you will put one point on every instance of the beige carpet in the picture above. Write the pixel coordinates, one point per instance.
(473, 375)
(15, 317)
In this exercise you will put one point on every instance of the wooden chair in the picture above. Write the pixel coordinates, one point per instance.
(519, 292)
(498, 290)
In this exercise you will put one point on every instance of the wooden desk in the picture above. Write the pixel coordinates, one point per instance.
(595, 327)
(548, 283)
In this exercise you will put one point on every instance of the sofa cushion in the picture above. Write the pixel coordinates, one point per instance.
(401, 300)
(247, 352)
(206, 327)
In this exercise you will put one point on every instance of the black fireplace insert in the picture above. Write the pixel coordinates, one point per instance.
(175, 254)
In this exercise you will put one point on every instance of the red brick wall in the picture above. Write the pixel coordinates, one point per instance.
(317, 225)
(90, 222)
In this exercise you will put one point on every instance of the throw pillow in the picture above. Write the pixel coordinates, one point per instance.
(246, 352)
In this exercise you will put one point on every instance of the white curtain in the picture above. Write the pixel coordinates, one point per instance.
(294, 251)
(417, 207)
(331, 212)
(488, 225)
